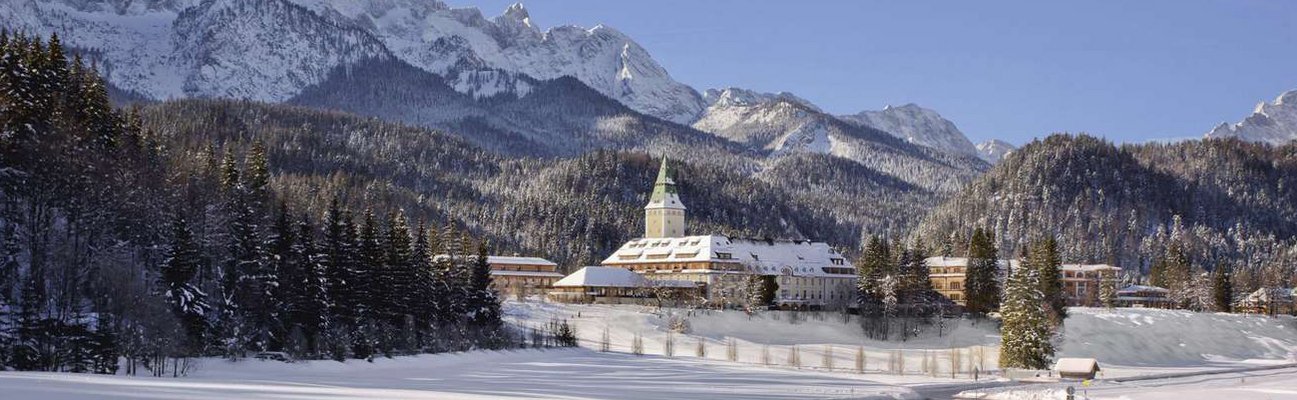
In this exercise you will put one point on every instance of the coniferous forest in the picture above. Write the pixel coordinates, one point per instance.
(121, 242)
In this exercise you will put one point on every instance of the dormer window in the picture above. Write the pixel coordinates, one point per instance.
(724, 256)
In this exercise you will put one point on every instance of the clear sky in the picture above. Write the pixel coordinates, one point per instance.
(1127, 70)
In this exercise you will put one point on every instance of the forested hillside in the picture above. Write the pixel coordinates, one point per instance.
(1221, 201)
(117, 240)
(558, 117)
(574, 211)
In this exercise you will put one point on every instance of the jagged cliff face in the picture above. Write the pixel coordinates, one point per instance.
(994, 150)
(270, 50)
(1274, 122)
(781, 124)
(917, 125)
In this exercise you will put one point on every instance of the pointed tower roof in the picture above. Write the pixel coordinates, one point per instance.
(664, 189)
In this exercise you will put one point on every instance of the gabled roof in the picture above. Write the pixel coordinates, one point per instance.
(603, 277)
(1142, 288)
(506, 260)
(765, 257)
(1089, 267)
(961, 262)
(1077, 365)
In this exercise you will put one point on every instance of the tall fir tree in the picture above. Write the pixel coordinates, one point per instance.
(398, 272)
(176, 278)
(874, 265)
(1026, 331)
(338, 254)
(368, 269)
(1222, 288)
(981, 276)
(485, 305)
(1047, 260)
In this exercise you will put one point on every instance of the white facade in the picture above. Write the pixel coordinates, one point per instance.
(808, 273)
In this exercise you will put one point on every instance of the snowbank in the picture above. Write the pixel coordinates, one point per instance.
(1170, 338)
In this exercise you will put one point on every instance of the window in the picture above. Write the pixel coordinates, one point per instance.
(724, 256)
(837, 261)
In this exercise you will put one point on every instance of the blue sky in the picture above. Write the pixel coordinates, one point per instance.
(1127, 70)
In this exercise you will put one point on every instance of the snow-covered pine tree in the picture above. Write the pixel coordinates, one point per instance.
(981, 277)
(1026, 329)
(422, 298)
(337, 252)
(398, 273)
(255, 281)
(484, 313)
(1108, 292)
(289, 275)
(313, 304)
(874, 264)
(1050, 264)
(1222, 288)
(1178, 275)
(368, 269)
(176, 279)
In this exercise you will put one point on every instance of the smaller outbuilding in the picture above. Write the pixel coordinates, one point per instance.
(1142, 296)
(613, 285)
(1077, 368)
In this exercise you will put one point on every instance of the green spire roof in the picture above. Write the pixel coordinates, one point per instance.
(664, 189)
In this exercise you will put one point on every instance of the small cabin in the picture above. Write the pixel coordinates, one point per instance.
(1077, 368)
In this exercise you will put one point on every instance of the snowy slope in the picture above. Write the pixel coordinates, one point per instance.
(251, 49)
(916, 125)
(781, 124)
(270, 49)
(1274, 122)
(994, 150)
(778, 122)
(453, 41)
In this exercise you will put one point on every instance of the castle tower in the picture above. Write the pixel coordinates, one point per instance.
(664, 216)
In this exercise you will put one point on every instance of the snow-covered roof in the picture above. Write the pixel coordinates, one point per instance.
(546, 274)
(960, 262)
(1132, 289)
(1266, 295)
(519, 261)
(603, 277)
(1077, 365)
(507, 260)
(1089, 267)
(765, 257)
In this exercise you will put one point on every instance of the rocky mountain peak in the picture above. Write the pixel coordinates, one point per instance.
(1271, 122)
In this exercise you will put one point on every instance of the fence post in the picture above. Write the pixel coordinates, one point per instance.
(860, 359)
(828, 357)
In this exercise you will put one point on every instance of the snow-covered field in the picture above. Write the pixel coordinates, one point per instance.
(1128, 342)
(1259, 385)
(567, 373)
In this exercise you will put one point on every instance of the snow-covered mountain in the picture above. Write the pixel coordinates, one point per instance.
(254, 49)
(270, 50)
(916, 125)
(783, 124)
(994, 150)
(778, 122)
(447, 41)
(1274, 123)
